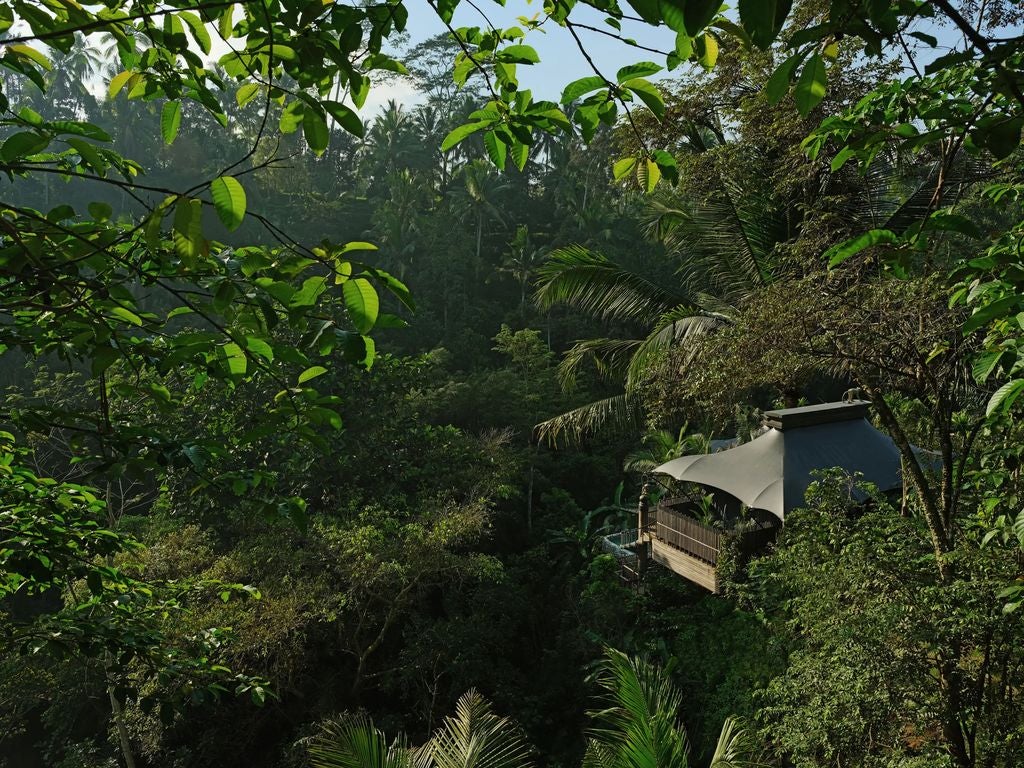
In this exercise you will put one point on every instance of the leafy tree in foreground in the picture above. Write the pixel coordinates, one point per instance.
(870, 630)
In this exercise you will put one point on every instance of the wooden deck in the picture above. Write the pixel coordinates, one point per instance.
(690, 548)
(689, 567)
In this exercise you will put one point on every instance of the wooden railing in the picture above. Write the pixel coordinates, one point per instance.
(687, 534)
(623, 546)
(704, 542)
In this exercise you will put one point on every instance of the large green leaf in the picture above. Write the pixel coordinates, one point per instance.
(763, 19)
(314, 129)
(461, 133)
(648, 93)
(999, 308)
(839, 253)
(170, 120)
(346, 118)
(810, 87)
(1004, 397)
(519, 54)
(22, 145)
(199, 32)
(229, 201)
(117, 82)
(497, 150)
(986, 363)
(311, 373)
(291, 116)
(698, 14)
(362, 303)
(188, 229)
(623, 167)
(639, 69)
(584, 85)
(234, 359)
(246, 93)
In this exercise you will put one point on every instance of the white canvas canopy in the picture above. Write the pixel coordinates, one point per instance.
(772, 472)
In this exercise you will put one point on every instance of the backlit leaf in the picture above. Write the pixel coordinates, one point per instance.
(461, 133)
(347, 119)
(810, 87)
(311, 373)
(229, 201)
(578, 88)
(624, 167)
(362, 303)
(315, 131)
(170, 120)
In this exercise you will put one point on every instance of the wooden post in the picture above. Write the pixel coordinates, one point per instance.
(642, 509)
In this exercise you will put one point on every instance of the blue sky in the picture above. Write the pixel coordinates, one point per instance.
(560, 59)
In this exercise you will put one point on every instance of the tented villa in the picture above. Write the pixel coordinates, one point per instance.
(746, 491)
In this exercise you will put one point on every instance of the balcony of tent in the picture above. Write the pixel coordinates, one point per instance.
(740, 496)
(683, 539)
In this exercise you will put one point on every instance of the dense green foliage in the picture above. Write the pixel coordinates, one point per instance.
(271, 483)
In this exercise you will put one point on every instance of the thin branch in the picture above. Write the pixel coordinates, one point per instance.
(624, 40)
(611, 86)
(465, 48)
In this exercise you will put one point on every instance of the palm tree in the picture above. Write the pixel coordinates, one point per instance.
(398, 217)
(474, 737)
(639, 725)
(391, 142)
(86, 62)
(726, 249)
(660, 446)
(354, 742)
(481, 196)
(521, 262)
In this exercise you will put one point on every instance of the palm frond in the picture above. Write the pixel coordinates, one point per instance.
(611, 358)
(725, 245)
(641, 462)
(918, 204)
(592, 283)
(618, 413)
(736, 747)
(354, 742)
(599, 755)
(477, 738)
(659, 446)
(728, 248)
(641, 720)
(678, 329)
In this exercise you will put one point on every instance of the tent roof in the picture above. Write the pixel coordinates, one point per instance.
(773, 471)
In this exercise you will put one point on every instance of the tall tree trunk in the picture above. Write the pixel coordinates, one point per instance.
(479, 242)
(117, 712)
(116, 709)
(529, 490)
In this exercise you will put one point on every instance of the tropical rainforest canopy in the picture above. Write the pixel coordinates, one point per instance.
(315, 412)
